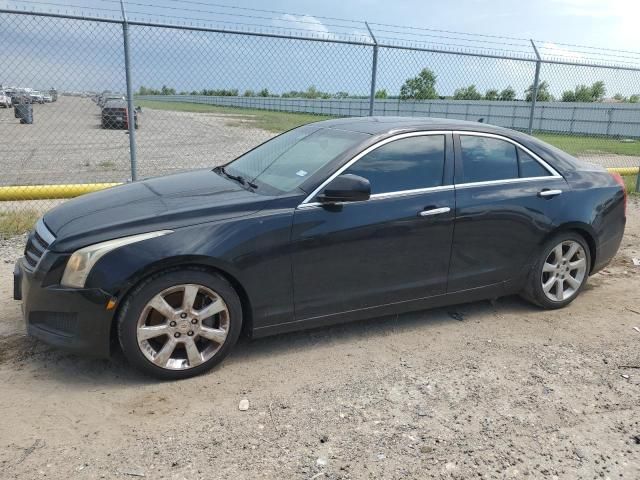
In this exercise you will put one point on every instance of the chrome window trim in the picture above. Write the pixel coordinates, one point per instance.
(384, 196)
(505, 181)
(307, 201)
(536, 157)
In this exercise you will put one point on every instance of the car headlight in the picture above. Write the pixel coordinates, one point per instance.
(82, 261)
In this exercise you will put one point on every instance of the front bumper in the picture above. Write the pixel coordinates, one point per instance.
(73, 319)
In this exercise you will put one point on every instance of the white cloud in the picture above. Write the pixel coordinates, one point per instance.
(314, 26)
(305, 22)
(552, 50)
(621, 15)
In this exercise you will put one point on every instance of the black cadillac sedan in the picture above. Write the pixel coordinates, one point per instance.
(330, 222)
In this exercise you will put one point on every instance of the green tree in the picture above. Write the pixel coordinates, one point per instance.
(312, 92)
(264, 93)
(635, 98)
(421, 87)
(167, 91)
(491, 94)
(341, 95)
(585, 93)
(620, 97)
(508, 94)
(382, 94)
(543, 93)
(467, 93)
(249, 93)
(598, 91)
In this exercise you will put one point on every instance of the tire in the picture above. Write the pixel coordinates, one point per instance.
(179, 328)
(558, 274)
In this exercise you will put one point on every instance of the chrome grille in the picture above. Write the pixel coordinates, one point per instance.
(37, 243)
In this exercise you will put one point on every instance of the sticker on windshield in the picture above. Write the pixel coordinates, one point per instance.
(301, 173)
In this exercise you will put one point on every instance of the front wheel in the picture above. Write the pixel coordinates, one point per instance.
(561, 271)
(179, 323)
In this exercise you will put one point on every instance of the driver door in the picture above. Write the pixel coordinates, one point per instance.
(392, 248)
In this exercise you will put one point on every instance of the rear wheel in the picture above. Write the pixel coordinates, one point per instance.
(180, 323)
(560, 272)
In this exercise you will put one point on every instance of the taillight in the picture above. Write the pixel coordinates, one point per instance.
(618, 178)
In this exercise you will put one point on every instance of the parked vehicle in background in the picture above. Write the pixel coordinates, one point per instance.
(36, 97)
(20, 98)
(115, 114)
(53, 93)
(47, 98)
(330, 222)
(108, 97)
(5, 99)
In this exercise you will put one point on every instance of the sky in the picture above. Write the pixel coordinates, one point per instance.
(71, 55)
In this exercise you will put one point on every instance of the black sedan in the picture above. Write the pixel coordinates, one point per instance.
(330, 222)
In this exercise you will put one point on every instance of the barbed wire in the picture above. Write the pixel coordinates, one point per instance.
(297, 22)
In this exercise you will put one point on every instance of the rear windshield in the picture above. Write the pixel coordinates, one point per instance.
(286, 161)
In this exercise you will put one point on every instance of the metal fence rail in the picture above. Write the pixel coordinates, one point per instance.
(600, 119)
(183, 66)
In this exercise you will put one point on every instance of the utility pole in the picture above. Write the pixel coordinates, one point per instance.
(130, 108)
(534, 93)
(374, 70)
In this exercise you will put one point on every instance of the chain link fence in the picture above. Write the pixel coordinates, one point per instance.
(201, 96)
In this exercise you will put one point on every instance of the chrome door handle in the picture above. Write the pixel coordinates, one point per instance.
(434, 211)
(549, 193)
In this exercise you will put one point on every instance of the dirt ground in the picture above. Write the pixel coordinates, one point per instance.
(66, 144)
(503, 390)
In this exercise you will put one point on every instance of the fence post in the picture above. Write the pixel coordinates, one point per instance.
(534, 92)
(130, 107)
(374, 70)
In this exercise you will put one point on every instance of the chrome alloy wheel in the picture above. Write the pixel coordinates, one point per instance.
(183, 326)
(564, 271)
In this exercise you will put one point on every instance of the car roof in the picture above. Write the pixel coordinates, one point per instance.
(388, 126)
(382, 125)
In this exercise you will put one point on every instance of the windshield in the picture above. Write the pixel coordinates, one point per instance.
(286, 161)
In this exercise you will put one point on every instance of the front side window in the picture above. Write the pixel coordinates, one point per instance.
(405, 164)
(485, 159)
(285, 162)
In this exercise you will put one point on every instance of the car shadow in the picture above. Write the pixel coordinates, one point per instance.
(72, 369)
(420, 322)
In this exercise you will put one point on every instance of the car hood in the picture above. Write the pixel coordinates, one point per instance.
(158, 203)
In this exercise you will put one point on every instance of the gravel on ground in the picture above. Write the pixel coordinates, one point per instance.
(483, 390)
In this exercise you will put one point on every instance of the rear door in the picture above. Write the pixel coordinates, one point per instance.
(506, 201)
(391, 248)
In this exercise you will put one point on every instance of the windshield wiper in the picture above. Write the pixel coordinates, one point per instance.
(238, 178)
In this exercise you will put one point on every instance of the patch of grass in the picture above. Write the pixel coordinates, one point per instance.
(582, 145)
(268, 120)
(17, 223)
(107, 165)
(630, 184)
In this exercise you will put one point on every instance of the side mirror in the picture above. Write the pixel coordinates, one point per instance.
(346, 188)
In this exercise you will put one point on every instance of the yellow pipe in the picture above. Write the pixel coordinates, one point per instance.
(42, 192)
(45, 192)
(625, 170)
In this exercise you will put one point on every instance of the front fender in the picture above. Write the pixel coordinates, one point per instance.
(255, 251)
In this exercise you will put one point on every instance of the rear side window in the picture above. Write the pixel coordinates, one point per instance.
(405, 164)
(529, 167)
(486, 158)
